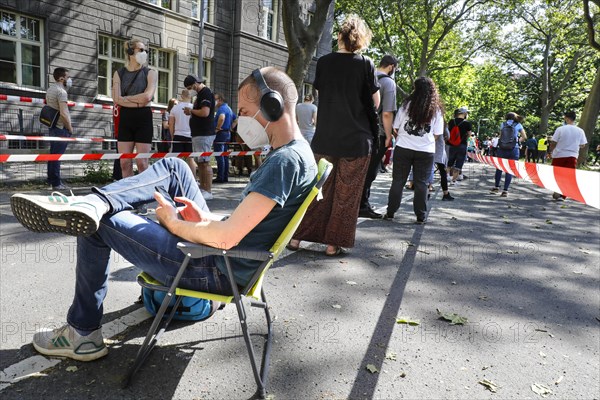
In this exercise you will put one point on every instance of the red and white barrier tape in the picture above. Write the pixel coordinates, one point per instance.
(33, 100)
(582, 186)
(71, 139)
(114, 156)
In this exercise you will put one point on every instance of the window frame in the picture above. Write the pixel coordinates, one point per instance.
(210, 10)
(273, 34)
(110, 59)
(159, 5)
(193, 69)
(159, 69)
(19, 51)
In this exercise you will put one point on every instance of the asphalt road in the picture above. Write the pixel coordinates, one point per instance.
(524, 271)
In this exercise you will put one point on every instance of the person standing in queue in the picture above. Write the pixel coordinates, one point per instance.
(133, 88)
(202, 126)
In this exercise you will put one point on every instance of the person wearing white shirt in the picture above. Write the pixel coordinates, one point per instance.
(179, 126)
(418, 121)
(565, 145)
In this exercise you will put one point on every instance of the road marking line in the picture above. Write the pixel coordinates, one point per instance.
(34, 365)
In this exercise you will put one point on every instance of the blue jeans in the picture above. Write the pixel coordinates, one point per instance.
(141, 241)
(56, 148)
(509, 155)
(422, 164)
(222, 162)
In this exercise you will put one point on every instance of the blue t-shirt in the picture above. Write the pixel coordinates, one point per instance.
(229, 116)
(286, 176)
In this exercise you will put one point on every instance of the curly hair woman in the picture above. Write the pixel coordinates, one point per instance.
(419, 121)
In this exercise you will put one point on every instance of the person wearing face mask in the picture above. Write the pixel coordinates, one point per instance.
(133, 89)
(102, 222)
(344, 81)
(202, 126)
(387, 108)
(56, 97)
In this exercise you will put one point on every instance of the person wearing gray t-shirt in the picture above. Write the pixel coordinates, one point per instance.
(56, 97)
(306, 115)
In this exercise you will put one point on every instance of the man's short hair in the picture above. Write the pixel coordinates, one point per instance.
(220, 96)
(59, 72)
(277, 80)
(571, 115)
(388, 60)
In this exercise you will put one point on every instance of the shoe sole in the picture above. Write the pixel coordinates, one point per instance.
(40, 219)
(70, 354)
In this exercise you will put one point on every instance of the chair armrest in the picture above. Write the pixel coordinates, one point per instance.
(196, 250)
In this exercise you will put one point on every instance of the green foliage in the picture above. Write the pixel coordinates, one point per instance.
(100, 172)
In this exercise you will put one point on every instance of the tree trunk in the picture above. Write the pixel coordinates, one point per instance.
(302, 40)
(589, 116)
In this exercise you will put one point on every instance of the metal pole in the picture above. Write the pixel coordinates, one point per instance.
(201, 42)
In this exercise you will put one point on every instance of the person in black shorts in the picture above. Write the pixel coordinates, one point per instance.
(133, 88)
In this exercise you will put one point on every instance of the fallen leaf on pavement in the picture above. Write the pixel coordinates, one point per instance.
(549, 222)
(540, 330)
(489, 385)
(72, 368)
(390, 355)
(559, 380)
(351, 282)
(453, 318)
(408, 321)
(541, 389)
(372, 369)
(336, 306)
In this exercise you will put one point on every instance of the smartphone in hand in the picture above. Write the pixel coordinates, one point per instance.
(166, 195)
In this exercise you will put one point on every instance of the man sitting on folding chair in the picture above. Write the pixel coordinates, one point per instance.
(102, 221)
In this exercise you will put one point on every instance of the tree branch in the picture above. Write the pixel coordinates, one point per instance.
(590, 24)
(385, 29)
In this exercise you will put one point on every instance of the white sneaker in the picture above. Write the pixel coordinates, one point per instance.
(66, 342)
(73, 215)
(206, 195)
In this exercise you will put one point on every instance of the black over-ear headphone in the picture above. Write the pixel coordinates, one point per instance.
(130, 50)
(271, 102)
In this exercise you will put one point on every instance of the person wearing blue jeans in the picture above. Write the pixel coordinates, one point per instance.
(508, 148)
(102, 221)
(57, 147)
(224, 120)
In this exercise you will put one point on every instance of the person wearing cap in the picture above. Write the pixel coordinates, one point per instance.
(306, 114)
(565, 144)
(387, 108)
(457, 154)
(202, 126)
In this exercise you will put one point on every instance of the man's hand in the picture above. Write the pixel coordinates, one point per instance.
(388, 141)
(165, 212)
(190, 211)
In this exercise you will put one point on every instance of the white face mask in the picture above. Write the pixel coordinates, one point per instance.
(252, 132)
(68, 83)
(141, 57)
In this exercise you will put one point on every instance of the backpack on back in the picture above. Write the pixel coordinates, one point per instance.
(508, 139)
(455, 139)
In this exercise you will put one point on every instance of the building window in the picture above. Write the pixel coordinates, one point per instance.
(270, 9)
(21, 55)
(209, 10)
(168, 4)
(207, 69)
(307, 88)
(111, 57)
(161, 61)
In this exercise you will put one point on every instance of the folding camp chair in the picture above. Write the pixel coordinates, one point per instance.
(253, 289)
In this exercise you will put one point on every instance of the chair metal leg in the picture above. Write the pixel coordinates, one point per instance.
(266, 360)
(152, 336)
(259, 377)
